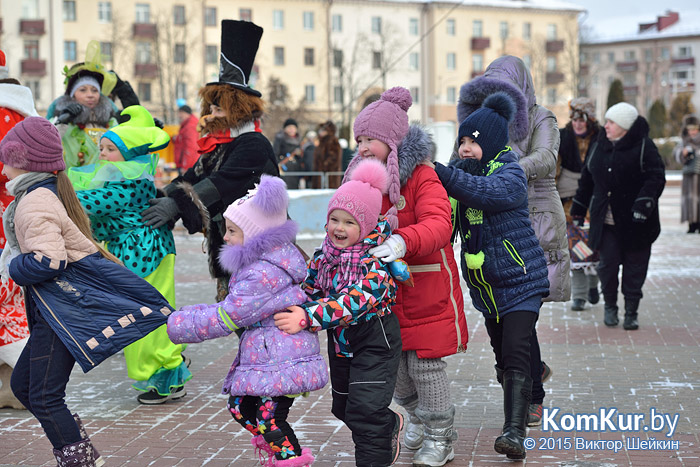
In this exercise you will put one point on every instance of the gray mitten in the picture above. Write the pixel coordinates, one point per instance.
(162, 210)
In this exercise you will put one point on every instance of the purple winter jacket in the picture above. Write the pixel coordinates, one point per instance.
(265, 277)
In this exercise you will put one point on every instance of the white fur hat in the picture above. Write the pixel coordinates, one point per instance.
(623, 114)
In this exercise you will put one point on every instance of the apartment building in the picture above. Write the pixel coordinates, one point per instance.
(332, 57)
(654, 60)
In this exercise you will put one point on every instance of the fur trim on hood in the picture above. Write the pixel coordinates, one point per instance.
(234, 257)
(18, 98)
(100, 115)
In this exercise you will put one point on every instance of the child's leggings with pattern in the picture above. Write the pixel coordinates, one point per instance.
(267, 416)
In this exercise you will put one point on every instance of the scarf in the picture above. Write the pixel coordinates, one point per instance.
(17, 187)
(208, 142)
(345, 263)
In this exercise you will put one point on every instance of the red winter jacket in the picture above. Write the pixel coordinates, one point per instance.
(431, 313)
(185, 143)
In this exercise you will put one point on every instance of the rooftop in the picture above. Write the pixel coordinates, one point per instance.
(642, 27)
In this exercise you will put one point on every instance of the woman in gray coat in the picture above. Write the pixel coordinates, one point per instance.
(534, 135)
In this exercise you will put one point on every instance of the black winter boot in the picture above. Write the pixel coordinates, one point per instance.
(517, 391)
(631, 307)
(610, 318)
(499, 375)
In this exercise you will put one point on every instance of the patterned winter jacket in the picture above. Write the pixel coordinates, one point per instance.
(265, 277)
(355, 303)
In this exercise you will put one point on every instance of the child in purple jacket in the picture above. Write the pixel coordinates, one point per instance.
(271, 367)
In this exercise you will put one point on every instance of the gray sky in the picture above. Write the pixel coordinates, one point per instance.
(608, 8)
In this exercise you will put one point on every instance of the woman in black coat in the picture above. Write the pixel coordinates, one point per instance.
(620, 185)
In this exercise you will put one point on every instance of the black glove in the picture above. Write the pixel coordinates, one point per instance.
(642, 209)
(125, 92)
(162, 211)
(69, 113)
(158, 122)
(638, 216)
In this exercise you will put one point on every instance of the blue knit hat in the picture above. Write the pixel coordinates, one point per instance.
(488, 125)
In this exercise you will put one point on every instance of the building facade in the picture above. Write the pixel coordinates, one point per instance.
(329, 57)
(655, 61)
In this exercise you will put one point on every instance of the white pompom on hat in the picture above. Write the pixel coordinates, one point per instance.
(623, 114)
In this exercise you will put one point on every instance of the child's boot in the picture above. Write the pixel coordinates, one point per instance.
(413, 434)
(631, 307)
(266, 455)
(7, 398)
(517, 390)
(305, 460)
(78, 454)
(99, 461)
(439, 434)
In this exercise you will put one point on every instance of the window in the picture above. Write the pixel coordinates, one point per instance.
(69, 51)
(477, 28)
(308, 20)
(451, 95)
(596, 57)
(629, 79)
(143, 13)
(180, 54)
(376, 60)
(68, 10)
(143, 52)
(30, 9)
(144, 92)
(210, 16)
(551, 32)
(665, 55)
(310, 93)
(212, 55)
(684, 51)
(503, 29)
(337, 94)
(630, 55)
(648, 55)
(31, 49)
(413, 60)
(179, 14)
(279, 56)
(527, 31)
(308, 56)
(278, 19)
(551, 96)
(181, 90)
(337, 58)
(681, 75)
(104, 12)
(106, 50)
(611, 57)
(245, 14)
(451, 28)
(584, 57)
(337, 23)
(648, 78)
(477, 63)
(376, 24)
(415, 94)
(527, 60)
(551, 64)
(451, 61)
(34, 86)
(413, 26)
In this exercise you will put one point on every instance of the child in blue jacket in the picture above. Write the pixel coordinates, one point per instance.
(502, 261)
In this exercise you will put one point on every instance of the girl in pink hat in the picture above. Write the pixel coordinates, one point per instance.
(431, 313)
(351, 294)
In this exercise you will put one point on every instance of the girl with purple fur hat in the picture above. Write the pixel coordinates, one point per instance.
(272, 367)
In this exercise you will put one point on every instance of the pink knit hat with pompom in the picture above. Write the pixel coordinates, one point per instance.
(361, 197)
(387, 121)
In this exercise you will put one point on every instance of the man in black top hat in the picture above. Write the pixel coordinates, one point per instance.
(233, 151)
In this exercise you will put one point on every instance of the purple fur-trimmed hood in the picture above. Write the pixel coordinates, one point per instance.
(505, 74)
(233, 258)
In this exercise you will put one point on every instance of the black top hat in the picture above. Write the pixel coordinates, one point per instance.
(239, 45)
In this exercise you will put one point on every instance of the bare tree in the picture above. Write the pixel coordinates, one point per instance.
(571, 56)
(352, 83)
(387, 45)
(122, 50)
(279, 107)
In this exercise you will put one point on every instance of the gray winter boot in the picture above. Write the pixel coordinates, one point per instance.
(413, 430)
(439, 434)
(78, 454)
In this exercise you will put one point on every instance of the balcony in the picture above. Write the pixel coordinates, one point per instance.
(146, 70)
(32, 27)
(480, 43)
(630, 90)
(555, 46)
(33, 67)
(144, 30)
(683, 61)
(628, 66)
(554, 77)
(477, 73)
(682, 86)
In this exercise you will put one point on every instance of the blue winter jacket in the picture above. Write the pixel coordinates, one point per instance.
(513, 276)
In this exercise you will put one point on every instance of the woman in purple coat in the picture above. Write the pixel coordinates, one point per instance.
(272, 367)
